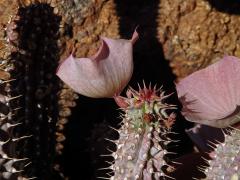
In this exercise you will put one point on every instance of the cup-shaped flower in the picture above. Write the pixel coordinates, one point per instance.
(211, 96)
(103, 75)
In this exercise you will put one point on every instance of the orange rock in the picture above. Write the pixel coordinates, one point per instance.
(195, 34)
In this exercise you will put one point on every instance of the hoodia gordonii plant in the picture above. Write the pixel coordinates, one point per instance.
(33, 101)
(226, 158)
(146, 125)
(32, 88)
(143, 136)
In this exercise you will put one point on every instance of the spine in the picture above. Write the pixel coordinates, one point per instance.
(143, 136)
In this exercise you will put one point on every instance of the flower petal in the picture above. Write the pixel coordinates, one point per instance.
(104, 74)
(211, 96)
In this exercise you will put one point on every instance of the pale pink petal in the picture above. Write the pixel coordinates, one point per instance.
(211, 95)
(102, 75)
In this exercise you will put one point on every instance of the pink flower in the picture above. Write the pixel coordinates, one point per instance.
(211, 96)
(103, 75)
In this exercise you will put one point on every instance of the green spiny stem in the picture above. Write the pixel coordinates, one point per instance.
(143, 136)
(226, 158)
(32, 36)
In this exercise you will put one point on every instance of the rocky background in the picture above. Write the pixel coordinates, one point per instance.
(195, 33)
(176, 38)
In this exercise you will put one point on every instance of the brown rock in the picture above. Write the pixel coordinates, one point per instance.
(194, 33)
(100, 20)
